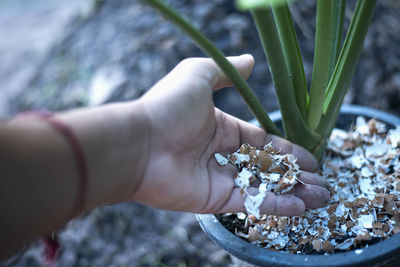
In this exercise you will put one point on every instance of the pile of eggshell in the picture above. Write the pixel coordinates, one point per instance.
(363, 169)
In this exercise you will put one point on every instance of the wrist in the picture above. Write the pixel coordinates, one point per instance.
(137, 148)
(115, 140)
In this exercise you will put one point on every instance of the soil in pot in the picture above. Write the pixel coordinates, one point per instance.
(363, 169)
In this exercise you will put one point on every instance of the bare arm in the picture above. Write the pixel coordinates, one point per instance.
(39, 177)
(158, 150)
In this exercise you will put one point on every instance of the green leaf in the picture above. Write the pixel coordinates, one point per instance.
(246, 5)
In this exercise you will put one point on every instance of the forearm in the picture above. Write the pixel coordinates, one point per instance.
(40, 181)
(115, 140)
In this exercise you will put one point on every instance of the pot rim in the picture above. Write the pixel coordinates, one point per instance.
(375, 253)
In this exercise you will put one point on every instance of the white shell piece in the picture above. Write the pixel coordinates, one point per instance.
(367, 188)
(253, 203)
(272, 177)
(357, 160)
(240, 158)
(221, 159)
(394, 136)
(346, 244)
(243, 178)
(362, 126)
(366, 220)
(358, 251)
(377, 150)
(340, 210)
(366, 172)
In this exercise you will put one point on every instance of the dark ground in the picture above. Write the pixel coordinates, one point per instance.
(120, 48)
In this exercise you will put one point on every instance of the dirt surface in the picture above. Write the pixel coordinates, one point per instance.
(30, 28)
(134, 47)
(130, 234)
(114, 51)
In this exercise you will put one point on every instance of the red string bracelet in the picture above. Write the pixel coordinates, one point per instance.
(52, 245)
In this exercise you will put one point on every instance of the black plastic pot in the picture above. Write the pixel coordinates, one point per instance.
(385, 253)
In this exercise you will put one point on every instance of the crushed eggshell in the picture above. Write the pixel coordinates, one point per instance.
(363, 169)
(221, 159)
(264, 169)
(253, 203)
(242, 179)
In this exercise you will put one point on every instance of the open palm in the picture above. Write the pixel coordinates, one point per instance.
(187, 130)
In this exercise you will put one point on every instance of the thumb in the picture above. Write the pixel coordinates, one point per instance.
(244, 64)
(202, 73)
(207, 72)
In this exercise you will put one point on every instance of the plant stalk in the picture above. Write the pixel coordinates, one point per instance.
(208, 48)
(338, 10)
(291, 52)
(346, 64)
(320, 74)
(295, 128)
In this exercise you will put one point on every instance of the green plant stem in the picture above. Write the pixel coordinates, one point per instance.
(320, 74)
(293, 123)
(230, 71)
(291, 52)
(346, 65)
(338, 10)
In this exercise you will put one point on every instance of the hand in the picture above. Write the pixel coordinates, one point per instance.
(187, 130)
(170, 136)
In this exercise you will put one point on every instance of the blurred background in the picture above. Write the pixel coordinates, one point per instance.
(58, 55)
